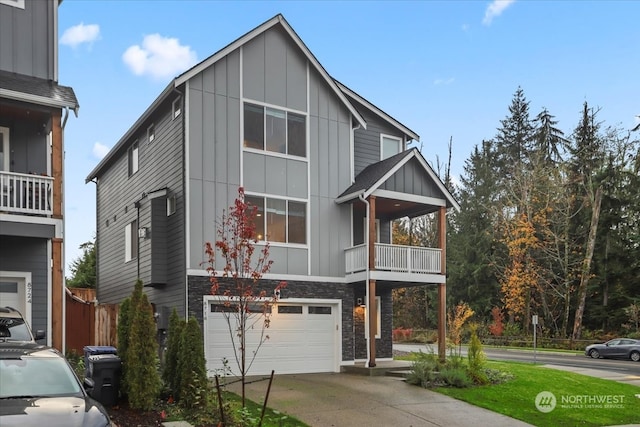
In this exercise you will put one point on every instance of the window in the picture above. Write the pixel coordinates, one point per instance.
(389, 146)
(275, 130)
(131, 241)
(176, 107)
(133, 158)
(151, 133)
(279, 220)
(171, 205)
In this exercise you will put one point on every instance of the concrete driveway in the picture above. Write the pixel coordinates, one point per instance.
(344, 400)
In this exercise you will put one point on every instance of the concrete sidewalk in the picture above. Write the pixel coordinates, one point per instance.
(345, 400)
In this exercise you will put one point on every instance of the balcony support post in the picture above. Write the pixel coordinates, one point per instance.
(371, 303)
(442, 287)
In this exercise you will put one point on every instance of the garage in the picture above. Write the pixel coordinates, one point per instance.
(304, 337)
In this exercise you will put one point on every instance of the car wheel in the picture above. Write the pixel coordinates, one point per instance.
(594, 354)
(635, 356)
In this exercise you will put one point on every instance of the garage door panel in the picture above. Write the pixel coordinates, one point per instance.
(302, 338)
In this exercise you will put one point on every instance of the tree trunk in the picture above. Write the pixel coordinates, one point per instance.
(586, 265)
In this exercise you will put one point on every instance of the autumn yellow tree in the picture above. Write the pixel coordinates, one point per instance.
(456, 319)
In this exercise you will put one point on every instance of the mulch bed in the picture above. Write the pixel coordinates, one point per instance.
(123, 416)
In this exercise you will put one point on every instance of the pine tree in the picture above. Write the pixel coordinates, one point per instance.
(171, 373)
(83, 269)
(192, 367)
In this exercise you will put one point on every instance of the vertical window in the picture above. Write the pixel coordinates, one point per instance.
(258, 202)
(151, 133)
(253, 126)
(277, 220)
(378, 320)
(389, 146)
(297, 217)
(171, 204)
(133, 158)
(131, 241)
(176, 107)
(275, 130)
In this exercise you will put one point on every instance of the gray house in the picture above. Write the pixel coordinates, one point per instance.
(34, 109)
(328, 171)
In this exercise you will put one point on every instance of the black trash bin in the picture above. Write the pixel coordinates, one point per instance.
(92, 350)
(104, 372)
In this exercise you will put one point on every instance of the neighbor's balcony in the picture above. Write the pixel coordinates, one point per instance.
(395, 262)
(23, 193)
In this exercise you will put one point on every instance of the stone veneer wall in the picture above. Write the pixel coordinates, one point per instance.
(200, 286)
(384, 345)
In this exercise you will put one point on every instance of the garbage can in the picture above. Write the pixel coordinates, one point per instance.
(92, 350)
(104, 370)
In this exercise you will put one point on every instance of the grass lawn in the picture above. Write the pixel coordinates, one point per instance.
(580, 400)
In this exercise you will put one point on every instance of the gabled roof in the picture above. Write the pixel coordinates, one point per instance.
(35, 90)
(278, 19)
(393, 122)
(374, 175)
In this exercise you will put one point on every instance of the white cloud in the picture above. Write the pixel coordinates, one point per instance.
(444, 82)
(79, 34)
(495, 8)
(99, 150)
(159, 57)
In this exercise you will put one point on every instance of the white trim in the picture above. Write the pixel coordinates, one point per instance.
(187, 193)
(275, 276)
(379, 319)
(6, 149)
(388, 194)
(15, 3)
(50, 294)
(407, 277)
(56, 48)
(278, 19)
(397, 138)
(308, 136)
(35, 99)
(241, 114)
(378, 111)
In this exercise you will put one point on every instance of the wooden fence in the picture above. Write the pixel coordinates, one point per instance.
(89, 323)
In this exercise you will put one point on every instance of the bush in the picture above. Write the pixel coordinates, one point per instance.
(124, 325)
(170, 372)
(193, 384)
(455, 376)
(477, 358)
(424, 370)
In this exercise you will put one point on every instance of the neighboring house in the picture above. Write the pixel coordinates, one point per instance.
(33, 111)
(315, 157)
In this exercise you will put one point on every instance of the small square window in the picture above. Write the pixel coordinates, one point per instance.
(151, 133)
(389, 146)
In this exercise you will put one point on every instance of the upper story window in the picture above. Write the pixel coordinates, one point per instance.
(275, 130)
(176, 108)
(389, 146)
(131, 241)
(133, 158)
(280, 220)
(15, 3)
(151, 133)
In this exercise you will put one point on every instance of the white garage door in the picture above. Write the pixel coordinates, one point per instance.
(303, 338)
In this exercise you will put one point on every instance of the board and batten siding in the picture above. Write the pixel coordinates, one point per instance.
(160, 166)
(28, 39)
(29, 255)
(411, 179)
(366, 142)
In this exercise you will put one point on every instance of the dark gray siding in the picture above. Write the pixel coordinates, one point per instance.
(25, 254)
(366, 142)
(160, 167)
(27, 38)
(28, 145)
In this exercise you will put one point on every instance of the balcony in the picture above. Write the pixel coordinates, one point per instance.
(26, 194)
(396, 263)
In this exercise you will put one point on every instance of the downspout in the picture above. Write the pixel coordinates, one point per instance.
(366, 285)
(64, 262)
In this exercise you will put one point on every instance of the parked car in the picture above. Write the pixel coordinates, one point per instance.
(38, 387)
(14, 328)
(619, 348)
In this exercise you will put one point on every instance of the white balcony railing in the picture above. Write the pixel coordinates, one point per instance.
(395, 258)
(26, 193)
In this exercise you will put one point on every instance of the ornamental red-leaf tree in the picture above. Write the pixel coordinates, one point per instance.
(243, 260)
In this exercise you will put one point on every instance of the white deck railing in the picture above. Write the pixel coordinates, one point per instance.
(26, 193)
(396, 258)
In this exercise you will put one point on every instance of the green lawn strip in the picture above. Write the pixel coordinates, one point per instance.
(272, 418)
(516, 398)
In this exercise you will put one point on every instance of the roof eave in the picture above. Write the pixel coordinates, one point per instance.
(40, 100)
(350, 196)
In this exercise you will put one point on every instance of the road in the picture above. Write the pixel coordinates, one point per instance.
(606, 368)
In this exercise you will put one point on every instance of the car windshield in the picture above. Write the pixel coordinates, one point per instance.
(14, 330)
(31, 376)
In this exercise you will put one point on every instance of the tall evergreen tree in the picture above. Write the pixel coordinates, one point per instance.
(83, 269)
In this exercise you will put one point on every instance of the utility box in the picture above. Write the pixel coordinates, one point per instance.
(104, 371)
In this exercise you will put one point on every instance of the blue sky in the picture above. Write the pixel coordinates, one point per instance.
(445, 69)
